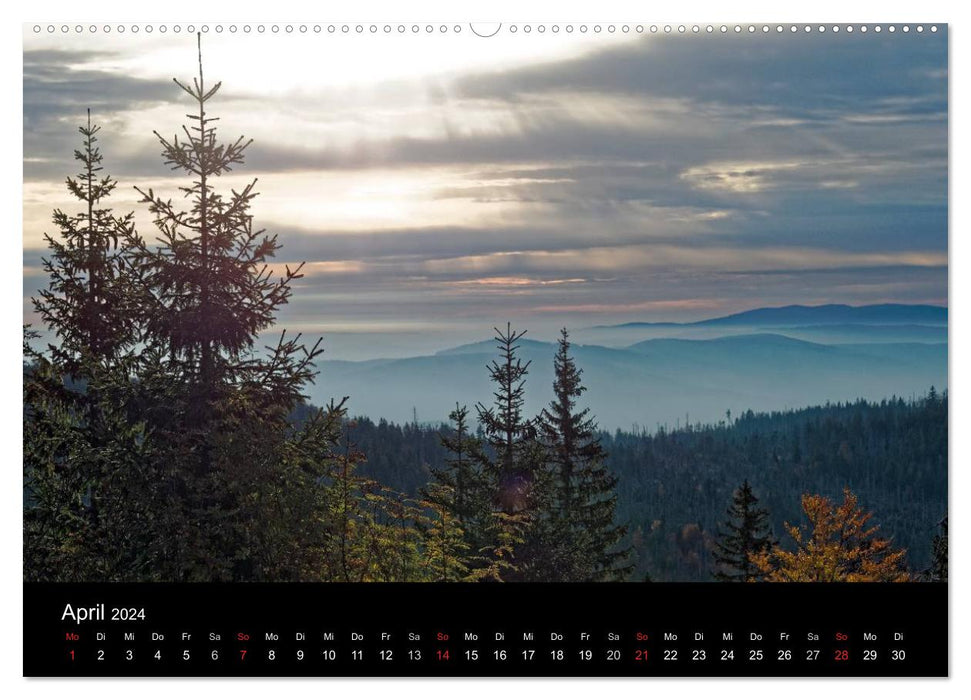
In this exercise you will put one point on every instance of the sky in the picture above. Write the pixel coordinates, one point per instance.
(439, 185)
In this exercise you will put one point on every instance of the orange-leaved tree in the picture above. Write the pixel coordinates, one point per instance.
(837, 544)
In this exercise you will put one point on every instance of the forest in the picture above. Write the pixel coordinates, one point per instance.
(167, 437)
(673, 487)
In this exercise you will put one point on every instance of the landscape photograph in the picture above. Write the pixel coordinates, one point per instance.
(402, 305)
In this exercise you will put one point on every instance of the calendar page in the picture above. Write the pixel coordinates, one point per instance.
(459, 349)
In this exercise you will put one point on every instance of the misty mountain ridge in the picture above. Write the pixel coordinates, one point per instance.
(648, 383)
(489, 347)
(826, 314)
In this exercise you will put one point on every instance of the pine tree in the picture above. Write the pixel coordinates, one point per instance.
(582, 539)
(838, 544)
(744, 535)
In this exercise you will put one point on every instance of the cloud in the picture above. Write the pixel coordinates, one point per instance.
(621, 177)
(804, 77)
(58, 91)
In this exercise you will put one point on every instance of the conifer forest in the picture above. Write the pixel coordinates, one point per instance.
(170, 435)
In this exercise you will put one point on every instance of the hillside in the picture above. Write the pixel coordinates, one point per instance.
(826, 314)
(651, 383)
(674, 486)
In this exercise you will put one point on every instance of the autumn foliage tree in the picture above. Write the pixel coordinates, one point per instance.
(370, 533)
(837, 544)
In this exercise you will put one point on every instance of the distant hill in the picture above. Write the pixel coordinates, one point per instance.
(828, 314)
(662, 381)
(489, 346)
(866, 333)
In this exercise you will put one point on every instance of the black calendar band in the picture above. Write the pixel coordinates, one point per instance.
(341, 630)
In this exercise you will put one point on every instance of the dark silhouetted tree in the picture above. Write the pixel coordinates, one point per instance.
(745, 534)
(87, 303)
(81, 454)
(581, 541)
(461, 490)
(508, 432)
(462, 471)
(513, 473)
(219, 406)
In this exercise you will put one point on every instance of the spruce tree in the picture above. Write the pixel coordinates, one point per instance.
(160, 442)
(447, 556)
(512, 468)
(367, 532)
(81, 453)
(214, 291)
(219, 405)
(461, 489)
(745, 534)
(508, 432)
(88, 301)
(463, 463)
(583, 540)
